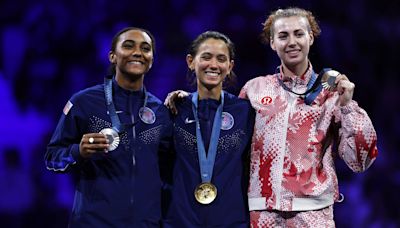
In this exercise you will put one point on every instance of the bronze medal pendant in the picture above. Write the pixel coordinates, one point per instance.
(328, 79)
(112, 137)
(205, 193)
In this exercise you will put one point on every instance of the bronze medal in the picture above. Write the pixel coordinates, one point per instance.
(205, 193)
(328, 79)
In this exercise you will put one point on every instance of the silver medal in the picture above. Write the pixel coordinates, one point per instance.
(227, 121)
(147, 115)
(112, 137)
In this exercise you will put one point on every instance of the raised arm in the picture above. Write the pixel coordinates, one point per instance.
(357, 146)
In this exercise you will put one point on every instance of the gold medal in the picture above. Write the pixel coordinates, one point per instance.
(205, 193)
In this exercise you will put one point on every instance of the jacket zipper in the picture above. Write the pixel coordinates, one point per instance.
(133, 147)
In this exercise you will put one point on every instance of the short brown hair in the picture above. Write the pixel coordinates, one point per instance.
(268, 25)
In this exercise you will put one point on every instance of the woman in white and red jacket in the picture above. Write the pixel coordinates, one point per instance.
(299, 129)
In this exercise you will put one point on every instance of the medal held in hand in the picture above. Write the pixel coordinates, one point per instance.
(205, 193)
(328, 79)
(112, 137)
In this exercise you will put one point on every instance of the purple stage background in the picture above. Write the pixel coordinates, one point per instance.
(51, 49)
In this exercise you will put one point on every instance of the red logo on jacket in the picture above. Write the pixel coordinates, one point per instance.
(266, 100)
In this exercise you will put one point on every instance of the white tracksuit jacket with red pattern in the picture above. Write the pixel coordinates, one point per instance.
(293, 145)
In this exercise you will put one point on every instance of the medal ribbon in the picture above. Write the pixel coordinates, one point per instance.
(314, 86)
(314, 91)
(206, 161)
(116, 123)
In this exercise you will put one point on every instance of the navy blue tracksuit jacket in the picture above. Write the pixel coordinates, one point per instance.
(123, 187)
(230, 175)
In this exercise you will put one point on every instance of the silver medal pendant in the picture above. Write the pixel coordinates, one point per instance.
(227, 121)
(112, 137)
(328, 79)
(147, 115)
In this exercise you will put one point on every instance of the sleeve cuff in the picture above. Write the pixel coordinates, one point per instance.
(349, 107)
(75, 153)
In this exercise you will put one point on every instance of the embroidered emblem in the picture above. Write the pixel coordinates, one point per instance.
(147, 115)
(67, 107)
(266, 100)
(108, 113)
(227, 121)
(187, 121)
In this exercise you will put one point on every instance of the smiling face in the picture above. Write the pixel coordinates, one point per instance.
(291, 40)
(211, 63)
(133, 54)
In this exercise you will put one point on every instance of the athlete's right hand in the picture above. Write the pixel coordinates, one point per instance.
(92, 143)
(171, 99)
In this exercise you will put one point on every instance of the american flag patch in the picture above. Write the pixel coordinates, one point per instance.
(67, 107)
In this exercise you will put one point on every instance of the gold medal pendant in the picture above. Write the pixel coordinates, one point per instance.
(205, 193)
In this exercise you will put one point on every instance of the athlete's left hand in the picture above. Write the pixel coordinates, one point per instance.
(345, 89)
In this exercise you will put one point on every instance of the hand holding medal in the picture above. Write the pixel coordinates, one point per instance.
(93, 143)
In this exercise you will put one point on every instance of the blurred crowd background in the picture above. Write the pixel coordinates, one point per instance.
(51, 49)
